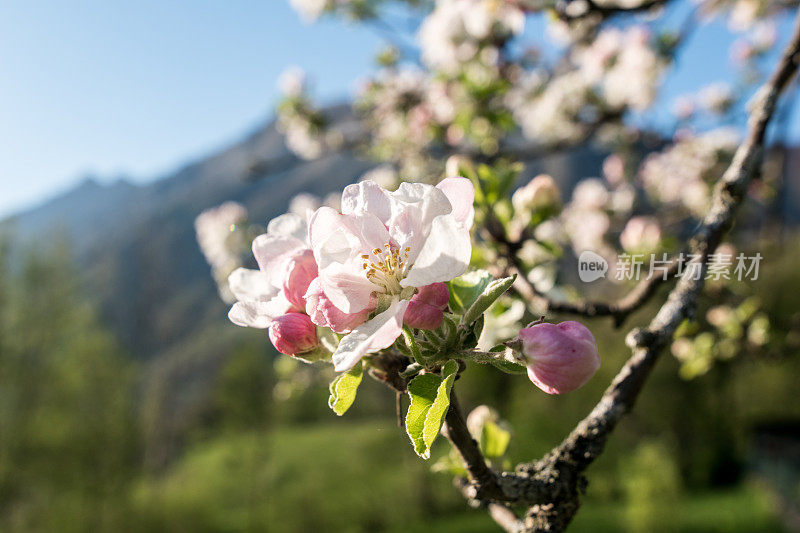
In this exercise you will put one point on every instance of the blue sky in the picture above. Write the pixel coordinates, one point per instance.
(139, 88)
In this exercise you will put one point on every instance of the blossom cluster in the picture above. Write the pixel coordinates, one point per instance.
(459, 34)
(304, 126)
(679, 176)
(339, 284)
(363, 272)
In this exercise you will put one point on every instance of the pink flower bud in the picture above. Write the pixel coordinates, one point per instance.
(301, 270)
(426, 308)
(561, 357)
(293, 334)
(324, 313)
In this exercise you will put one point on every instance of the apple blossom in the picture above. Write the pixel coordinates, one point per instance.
(293, 334)
(275, 288)
(324, 313)
(385, 245)
(560, 357)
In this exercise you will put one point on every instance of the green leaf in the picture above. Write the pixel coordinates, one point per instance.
(430, 400)
(464, 290)
(494, 440)
(343, 390)
(492, 292)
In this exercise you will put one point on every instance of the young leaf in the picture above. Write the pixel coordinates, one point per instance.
(464, 290)
(494, 440)
(492, 292)
(343, 390)
(430, 400)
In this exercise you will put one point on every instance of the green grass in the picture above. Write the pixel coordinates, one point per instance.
(363, 476)
(743, 508)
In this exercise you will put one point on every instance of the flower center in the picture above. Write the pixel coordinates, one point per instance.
(386, 267)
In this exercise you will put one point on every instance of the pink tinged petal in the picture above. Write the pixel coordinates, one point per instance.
(561, 357)
(348, 289)
(300, 271)
(272, 252)
(323, 313)
(461, 194)
(293, 334)
(426, 308)
(376, 334)
(259, 303)
(338, 242)
(444, 256)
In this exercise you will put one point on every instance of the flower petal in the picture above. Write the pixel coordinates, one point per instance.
(461, 194)
(247, 284)
(289, 225)
(258, 314)
(366, 197)
(272, 251)
(338, 241)
(371, 336)
(444, 256)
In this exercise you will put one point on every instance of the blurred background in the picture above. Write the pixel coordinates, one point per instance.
(128, 401)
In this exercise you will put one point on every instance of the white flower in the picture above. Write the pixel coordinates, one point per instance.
(384, 245)
(260, 293)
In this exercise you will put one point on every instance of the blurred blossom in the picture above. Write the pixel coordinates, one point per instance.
(548, 110)
(456, 30)
(641, 234)
(720, 315)
(614, 169)
(590, 194)
(683, 107)
(741, 51)
(622, 199)
(586, 228)
(310, 10)
(292, 81)
(744, 14)
(538, 194)
(763, 35)
(716, 97)
(384, 176)
(221, 239)
(677, 175)
(682, 348)
(624, 66)
(303, 203)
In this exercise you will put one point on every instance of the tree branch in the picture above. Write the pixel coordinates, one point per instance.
(553, 485)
